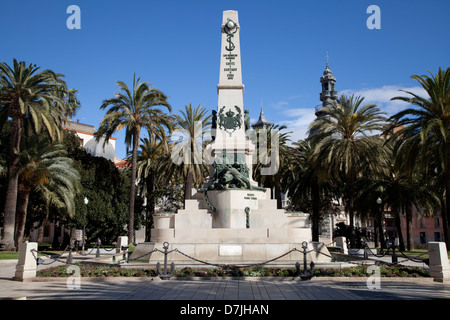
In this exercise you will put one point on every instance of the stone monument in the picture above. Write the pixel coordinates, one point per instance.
(232, 220)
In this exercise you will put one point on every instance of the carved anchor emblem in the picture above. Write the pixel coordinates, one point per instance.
(230, 28)
(231, 45)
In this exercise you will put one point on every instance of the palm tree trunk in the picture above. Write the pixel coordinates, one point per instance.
(445, 222)
(188, 184)
(277, 186)
(409, 236)
(445, 213)
(350, 208)
(315, 194)
(13, 180)
(398, 224)
(21, 213)
(375, 231)
(380, 229)
(133, 188)
(150, 204)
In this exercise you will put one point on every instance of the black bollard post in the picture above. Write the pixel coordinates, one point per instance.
(394, 256)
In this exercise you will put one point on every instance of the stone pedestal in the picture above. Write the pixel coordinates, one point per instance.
(222, 237)
(122, 241)
(439, 264)
(26, 266)
(231, 207)
(341, 242)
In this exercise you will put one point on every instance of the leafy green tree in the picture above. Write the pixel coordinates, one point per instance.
(45, 168)
(423, 135)
(26, 96)
(107, 188)
(134, 110)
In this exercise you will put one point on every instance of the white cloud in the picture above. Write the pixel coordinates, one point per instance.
(382, 96)
(298, 119)
(301, 118)
(279, 105)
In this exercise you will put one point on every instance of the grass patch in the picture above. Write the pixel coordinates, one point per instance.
(9, 255)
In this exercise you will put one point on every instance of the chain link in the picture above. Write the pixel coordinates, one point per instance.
(48, 256)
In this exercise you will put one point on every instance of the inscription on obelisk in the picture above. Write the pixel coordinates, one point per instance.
(230, 109)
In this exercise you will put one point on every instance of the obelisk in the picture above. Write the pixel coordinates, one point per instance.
(230, 139)
(231, 190)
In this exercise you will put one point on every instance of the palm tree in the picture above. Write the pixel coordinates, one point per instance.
(135, 110)
(424, 131)
(154, 167)
(189, 143)
(276, 159)
(399, 192)
(301, 180)
(345, 142)
(45, 169)
(26, 96)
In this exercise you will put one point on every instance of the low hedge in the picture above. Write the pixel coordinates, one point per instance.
(116, 271)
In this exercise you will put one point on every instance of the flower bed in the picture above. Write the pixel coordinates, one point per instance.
(115, 271)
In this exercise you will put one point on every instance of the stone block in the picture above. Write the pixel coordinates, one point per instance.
(439, 264)
(26, 265)
(122, 241)
(161, 235)
(341, 243)
(163, 221)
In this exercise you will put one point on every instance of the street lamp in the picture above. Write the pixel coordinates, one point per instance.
(86, 201)
(380, 224)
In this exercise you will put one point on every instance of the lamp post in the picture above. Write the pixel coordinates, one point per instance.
(86, 201)
(380, 224)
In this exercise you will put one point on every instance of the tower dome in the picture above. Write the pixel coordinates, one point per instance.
(95, 148)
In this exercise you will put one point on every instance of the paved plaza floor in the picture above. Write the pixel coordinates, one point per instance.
(222, 297)
(221, 289)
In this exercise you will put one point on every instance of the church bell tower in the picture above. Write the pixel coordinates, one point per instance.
(328, 93)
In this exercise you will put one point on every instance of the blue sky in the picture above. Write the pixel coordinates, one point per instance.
(175, 45)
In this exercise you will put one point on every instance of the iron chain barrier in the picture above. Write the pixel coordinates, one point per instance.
(165, 274)
(394, 259)
(73, 246)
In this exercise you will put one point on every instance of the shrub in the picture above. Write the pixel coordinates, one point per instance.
(232, 271)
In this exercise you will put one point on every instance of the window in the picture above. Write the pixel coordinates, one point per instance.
(46, 231)
(422, 222)
(437, 236)
(437, 223)
(423, 237)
